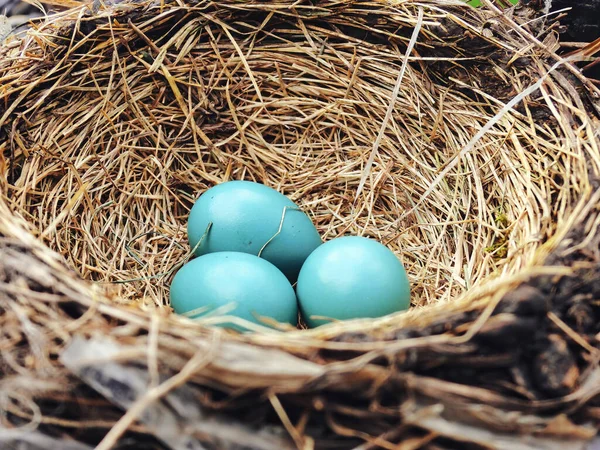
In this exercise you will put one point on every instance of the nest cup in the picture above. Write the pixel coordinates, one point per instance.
(453, 135)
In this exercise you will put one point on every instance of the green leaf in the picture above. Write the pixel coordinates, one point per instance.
(501, 3)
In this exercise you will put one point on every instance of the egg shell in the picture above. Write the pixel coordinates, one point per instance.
(244, 216)
(351, 277)
(256, 286)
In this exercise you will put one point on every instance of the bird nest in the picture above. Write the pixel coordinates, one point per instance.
(454, 135)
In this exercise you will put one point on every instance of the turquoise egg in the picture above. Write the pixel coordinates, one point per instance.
(254, 285)
(245, 216)
(351, 277)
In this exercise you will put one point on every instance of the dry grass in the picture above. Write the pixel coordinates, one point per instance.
(135, 132)
(112, 123)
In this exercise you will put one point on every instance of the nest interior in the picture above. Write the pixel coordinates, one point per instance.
(388, 120)
(118, 141)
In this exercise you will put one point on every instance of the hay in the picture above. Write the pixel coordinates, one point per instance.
(474, 157)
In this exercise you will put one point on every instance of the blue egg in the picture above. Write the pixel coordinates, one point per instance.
(255, 286)
(351, 277)
(244, 217)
